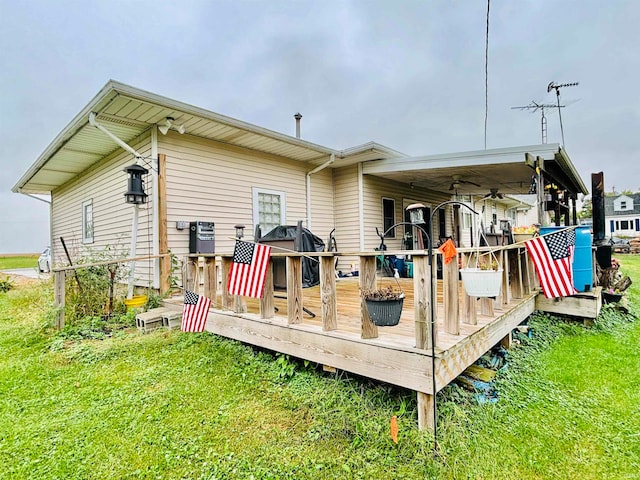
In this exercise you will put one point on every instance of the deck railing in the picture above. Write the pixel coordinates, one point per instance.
(518, 280)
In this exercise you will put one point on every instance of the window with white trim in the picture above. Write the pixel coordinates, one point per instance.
(269, 207)
(87, 221)
(389, 217)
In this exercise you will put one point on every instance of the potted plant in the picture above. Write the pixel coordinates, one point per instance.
(384, 305)
(522, 234)
(483, 280)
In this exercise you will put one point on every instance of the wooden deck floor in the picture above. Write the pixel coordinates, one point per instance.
(392, 356)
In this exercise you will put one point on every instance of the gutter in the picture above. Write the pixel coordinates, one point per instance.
(308, 185)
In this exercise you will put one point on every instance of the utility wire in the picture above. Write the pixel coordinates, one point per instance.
(486, 77)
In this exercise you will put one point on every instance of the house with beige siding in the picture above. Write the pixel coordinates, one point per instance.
(204, 166)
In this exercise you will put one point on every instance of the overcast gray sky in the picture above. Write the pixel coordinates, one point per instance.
(407, 74)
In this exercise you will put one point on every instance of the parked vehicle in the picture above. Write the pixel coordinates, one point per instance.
(620, 245)
(44, 261)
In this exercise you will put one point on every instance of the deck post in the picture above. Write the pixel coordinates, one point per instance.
(451, 288)
(421, 289)
(486, 306)
(210, 279)
(469, 310)
(515, 267)
(507, 340)
(367, 282)
(294, 290)
(227, 298)
(425, 411)
(190, 270)
(58, 297)
(328, 293)
(267, 305)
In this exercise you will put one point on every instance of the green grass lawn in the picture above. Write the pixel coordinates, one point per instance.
(172, 405)
(18, 261)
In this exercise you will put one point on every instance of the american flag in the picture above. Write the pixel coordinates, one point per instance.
(552, 255)
(249, 269)
(194, 312)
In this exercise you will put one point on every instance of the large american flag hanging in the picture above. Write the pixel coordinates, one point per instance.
(194, 312)
(552, 256)
(249, 269)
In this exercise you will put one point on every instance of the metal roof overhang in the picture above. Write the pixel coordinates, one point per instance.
(129, 112)
(504, 169)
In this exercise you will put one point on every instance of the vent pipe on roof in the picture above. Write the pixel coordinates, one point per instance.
(298, 117)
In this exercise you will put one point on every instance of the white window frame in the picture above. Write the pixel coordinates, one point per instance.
(392, 233)
(256, 191)
(87, 234)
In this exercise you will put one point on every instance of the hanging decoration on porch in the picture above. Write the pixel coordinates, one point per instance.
(384, 306)
(484, 277)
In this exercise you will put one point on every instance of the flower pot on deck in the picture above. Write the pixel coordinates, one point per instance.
(384, 313)
(481, 283)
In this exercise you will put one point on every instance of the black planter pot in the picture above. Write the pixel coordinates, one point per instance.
(385, 313)
(611, 297)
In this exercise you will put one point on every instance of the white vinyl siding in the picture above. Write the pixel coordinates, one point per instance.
(212, 181)
(322, 209)
(347, 217)
(105, 184)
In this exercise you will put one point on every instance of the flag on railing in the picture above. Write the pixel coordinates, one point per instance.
(249, 269)
(448, 251)
(552, 256)
(194, 312)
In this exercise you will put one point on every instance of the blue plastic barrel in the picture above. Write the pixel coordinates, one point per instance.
(582, 266)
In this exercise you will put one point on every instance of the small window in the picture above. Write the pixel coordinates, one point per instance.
(389, 217)
(623, 205)
(269, 208)
(466, 220)
(624, 225)
(87, 221)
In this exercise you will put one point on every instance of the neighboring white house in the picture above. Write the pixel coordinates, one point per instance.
(622, 215)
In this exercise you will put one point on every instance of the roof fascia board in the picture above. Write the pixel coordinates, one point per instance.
(112, 89)
(462, 159)
(562, 157)
(80, 120)
(149, 97)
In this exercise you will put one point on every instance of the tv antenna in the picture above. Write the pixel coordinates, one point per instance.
(553, 86)
(534, 107)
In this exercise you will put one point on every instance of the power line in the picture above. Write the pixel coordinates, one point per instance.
(486, 77)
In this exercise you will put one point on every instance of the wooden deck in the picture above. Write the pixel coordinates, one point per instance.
(342, 336)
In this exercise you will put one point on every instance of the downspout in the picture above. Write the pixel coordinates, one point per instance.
(50, 202)
(361, 206)
(155, 228)
(308, 184)
(134, 223)
(92, 122)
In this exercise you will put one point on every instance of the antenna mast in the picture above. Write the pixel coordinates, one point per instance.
(553, 86)
(535, 106)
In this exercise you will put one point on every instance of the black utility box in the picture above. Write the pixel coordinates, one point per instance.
(202, 237)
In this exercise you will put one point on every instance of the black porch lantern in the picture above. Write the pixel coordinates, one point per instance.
(135, 193)
(239, 230)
